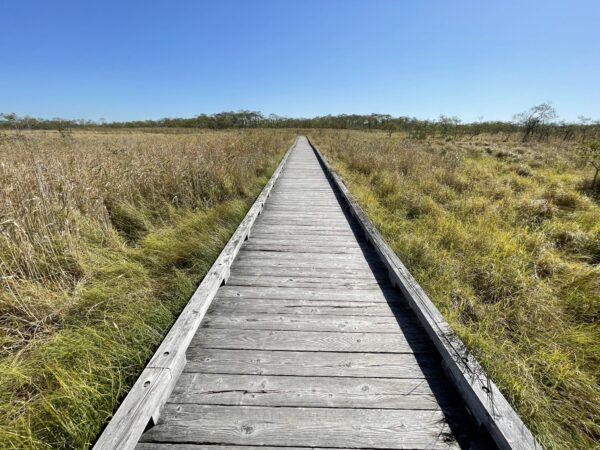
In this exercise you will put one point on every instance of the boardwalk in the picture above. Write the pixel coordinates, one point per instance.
(308, 345)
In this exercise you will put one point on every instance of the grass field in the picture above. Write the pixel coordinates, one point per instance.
(506, 242)
(105, 234)
(103, 238)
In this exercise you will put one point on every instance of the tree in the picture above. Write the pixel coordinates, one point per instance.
(390, 127)
(535, 119)
(590, 154)
(447, 124)
(584, 122)
(8, 120)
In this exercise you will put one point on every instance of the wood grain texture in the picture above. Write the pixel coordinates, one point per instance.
(303, 256)
(324, 392)
(166, 446)
(293, 322)
(311, 229)
(305, 248)
(309, 427)
(309, 308)
(307, 341)
(243, 279)
(375, 294)
(325, 364)
(314, 263)
(325, 241)
(307, 272)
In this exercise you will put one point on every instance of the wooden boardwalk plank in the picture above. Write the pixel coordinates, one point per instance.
(317, 364)
(304, 248)
(303, 307)
(311, 427)
(245, 320)
(325, 222)
(308, 272)
(374, 294)
(187, 446)
(308, 345)
(321, 263)
(311, 341)
(168, 446)
(303, 256)
(325, 392)
(309, 240)
(288, 281)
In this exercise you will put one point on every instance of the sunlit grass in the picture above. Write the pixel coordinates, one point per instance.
(103, 238)
(507, 245)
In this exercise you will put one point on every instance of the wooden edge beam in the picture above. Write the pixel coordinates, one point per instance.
(481, 395)
(143, 403)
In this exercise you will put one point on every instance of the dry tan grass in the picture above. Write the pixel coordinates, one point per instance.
(102, 239)
(53, 186)
(507, 244)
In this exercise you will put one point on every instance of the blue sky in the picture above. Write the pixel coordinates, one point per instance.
(122, 60)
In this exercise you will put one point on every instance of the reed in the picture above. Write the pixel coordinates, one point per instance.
(103, 238)
(504, 236)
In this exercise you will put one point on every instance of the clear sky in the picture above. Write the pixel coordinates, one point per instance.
(149, 59)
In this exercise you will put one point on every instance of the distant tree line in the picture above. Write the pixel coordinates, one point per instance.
(538, 123)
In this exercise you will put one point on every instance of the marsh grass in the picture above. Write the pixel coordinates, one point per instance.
(103, 238)
(505, 239)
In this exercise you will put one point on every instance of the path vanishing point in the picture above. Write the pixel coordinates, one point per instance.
(314, 336)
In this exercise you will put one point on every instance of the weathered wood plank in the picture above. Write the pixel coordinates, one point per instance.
(304, 282)
(310, 427)
(307, 272)
(286, 208)
(319, 263)
(269, 219)
(306, 228)
(299, 218)
(305, 307)
(311, 341)
(313, 204)
(167, 446)
(327, 221)
(307, 214)
(310, 240)
(304, 256)
(246, 320)
(288, 293)
(142, 404)
(303, 232)
(324, 392)
(324, 364)
(293, 235)
(304, 248)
